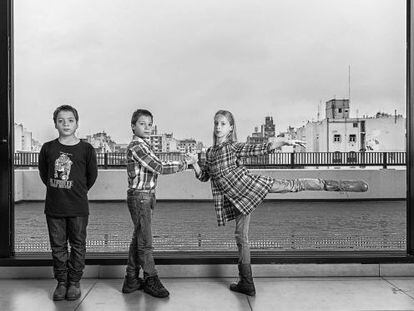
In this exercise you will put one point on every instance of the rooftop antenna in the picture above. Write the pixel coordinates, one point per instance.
(349, 83)
(319, 109)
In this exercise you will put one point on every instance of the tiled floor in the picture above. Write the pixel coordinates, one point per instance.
(193, 294)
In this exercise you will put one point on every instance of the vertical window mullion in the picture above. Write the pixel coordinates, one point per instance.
(6, 130)
(410, 128)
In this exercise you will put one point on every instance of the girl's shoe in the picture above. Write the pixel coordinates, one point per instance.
(245, 284)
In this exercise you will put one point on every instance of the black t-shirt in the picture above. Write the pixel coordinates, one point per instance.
(68, 173)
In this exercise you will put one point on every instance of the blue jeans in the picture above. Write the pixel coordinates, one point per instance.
(141, 205)
(241, 234)
(61, 229)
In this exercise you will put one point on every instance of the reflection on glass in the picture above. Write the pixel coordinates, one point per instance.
(330, 73)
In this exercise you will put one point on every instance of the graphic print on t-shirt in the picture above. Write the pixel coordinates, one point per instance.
(61, 175)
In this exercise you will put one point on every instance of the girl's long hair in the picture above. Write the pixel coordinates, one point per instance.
(232, 136)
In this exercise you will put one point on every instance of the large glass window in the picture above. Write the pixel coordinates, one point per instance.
(337, 64)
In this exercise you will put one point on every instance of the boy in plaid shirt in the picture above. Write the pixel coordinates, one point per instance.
(143, 168)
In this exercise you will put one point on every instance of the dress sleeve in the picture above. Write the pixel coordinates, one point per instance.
(204, 175)
(244, 150)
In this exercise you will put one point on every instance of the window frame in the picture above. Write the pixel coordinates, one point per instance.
(8, 257)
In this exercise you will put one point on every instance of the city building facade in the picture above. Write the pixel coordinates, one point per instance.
(339, 132)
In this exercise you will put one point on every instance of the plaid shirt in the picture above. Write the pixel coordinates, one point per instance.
(143, 166)
(234, 189)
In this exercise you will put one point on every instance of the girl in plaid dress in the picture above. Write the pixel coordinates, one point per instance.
(236, 192)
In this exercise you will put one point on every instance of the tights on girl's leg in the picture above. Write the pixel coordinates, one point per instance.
(298, 184)
(317, 184)
(241, 234)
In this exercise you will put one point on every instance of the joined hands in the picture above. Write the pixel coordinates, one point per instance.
(191, 158)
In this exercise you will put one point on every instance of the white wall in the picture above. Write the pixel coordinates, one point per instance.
(112, 185)
(18, 185)
(385, 134)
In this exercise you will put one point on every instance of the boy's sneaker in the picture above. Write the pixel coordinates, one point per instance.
(74, 291)
(60, 291)
(132, 284)
(154, 287)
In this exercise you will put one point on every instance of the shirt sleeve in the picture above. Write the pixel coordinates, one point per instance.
(244, 150)
(91, 168)
(42, 165)
(151, 162)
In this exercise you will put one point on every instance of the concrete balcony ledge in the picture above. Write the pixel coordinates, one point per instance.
(112, 184)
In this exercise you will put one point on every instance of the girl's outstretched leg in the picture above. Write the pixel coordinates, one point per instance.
(317, 184)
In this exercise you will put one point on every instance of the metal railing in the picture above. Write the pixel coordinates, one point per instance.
(306, 159)
(274, 160)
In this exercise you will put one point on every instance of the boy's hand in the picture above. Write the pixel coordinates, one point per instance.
(191, 158)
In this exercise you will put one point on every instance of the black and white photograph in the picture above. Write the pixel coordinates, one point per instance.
(207, 155)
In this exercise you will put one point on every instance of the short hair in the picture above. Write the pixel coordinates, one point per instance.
(232, 136)
(65, 108)
(138, 113)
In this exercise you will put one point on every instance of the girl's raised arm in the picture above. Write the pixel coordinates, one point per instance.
(244, 150)
(252, 150)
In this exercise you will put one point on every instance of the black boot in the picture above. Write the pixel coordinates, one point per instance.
(74, 291)
(346, 185)
(60, 291)
(131, 284)
(245, 284)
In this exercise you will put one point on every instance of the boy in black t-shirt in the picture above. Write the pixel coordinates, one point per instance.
(67, 166)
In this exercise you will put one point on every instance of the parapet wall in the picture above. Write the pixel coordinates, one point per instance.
(112, 184)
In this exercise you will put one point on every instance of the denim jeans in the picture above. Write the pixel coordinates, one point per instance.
(61, 229)
(241, 234)
(141, 205)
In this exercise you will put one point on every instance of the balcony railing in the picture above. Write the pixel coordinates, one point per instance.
(274, 160)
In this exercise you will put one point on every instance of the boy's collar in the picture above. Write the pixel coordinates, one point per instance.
(140, 139)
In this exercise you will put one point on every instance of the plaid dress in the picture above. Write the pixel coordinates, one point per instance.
(234, 189)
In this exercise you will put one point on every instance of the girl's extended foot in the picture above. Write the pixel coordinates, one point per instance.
(346, 185)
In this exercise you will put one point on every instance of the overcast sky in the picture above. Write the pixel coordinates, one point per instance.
(185, 59)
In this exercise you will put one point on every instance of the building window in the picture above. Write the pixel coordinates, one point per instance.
(352, 138)
(337, 138)
(340, 110)
(355, 124)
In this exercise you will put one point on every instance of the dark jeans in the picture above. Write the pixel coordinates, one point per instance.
(62, 229)
(141, 205)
